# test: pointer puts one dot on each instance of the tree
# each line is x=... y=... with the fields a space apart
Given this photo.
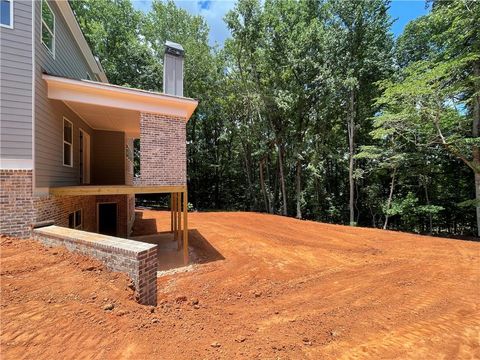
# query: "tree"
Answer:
x=435 y=100
x=112 y=29
x=287 y=120
x=362 y=45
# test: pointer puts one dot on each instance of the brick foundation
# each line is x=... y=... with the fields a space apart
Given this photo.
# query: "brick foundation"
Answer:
x=58 y=208
x=137 y=259
x=16 y=202
x=19 y=208
x=163 y=150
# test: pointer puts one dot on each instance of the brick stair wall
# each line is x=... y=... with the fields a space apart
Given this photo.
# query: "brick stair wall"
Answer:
x=135 y=258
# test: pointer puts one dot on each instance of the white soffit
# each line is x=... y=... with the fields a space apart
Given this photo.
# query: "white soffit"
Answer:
x=106 y=100
x=106 y=118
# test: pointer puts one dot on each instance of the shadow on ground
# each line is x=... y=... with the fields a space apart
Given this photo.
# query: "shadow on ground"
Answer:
x=170 y=257
x=143 y=226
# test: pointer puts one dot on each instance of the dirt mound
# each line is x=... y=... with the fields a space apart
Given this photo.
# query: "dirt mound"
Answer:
x=264 y=287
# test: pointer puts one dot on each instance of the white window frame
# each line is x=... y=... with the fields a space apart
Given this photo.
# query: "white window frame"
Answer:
x=78 y=226
x=75 y=225
x=11 y=17
x=86 y=164
x=51 y=52
x=66 y=142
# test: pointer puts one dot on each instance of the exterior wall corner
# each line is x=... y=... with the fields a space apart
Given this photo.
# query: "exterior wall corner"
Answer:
x=163 y=150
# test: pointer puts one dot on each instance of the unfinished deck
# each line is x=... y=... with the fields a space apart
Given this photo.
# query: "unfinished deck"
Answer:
x=116 y=190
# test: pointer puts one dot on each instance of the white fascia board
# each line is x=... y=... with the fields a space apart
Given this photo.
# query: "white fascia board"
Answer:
x=100 y=94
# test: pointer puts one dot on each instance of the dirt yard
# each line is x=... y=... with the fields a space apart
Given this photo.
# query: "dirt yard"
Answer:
x=264 y=287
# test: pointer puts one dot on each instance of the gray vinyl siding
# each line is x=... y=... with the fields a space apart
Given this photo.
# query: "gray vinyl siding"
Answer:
x=16 y=84
x=108 y=158
x=68 y=62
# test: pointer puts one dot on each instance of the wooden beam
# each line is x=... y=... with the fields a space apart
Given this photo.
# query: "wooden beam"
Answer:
x=185 y=228
x=115 y=190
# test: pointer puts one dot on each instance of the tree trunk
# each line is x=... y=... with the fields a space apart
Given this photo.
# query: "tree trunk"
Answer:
x=275 y=189
x=249 y=180
x=430 y=222
x=262 y=185
x=477 y=197
x=298 y=178
x=475 y=133
x=390 y=196
x=282 y=180
x=271 y=200
x=351 y=148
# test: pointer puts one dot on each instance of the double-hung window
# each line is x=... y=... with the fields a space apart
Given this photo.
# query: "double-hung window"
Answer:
x=48 y=27
x=67 y=143
x=6 y=13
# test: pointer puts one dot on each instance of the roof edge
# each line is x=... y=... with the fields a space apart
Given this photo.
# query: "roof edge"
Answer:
x=77 y=33
x=140 y=96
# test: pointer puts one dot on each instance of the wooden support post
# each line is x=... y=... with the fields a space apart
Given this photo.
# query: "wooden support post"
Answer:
x=179 y=219
x=171 y=212
x=185 y=228
x=174 y=216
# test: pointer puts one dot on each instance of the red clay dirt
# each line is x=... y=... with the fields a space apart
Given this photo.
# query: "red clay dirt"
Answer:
x=267 y=287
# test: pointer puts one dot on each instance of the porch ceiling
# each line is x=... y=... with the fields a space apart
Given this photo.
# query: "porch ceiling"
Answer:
x=108 y=118
x=116 y=108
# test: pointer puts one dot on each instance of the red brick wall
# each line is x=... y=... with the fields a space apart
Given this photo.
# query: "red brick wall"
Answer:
x=163 y=152
x=57 y=209
x=130 y=213
x=138 y=260
x=19 y=209
x=16 y=202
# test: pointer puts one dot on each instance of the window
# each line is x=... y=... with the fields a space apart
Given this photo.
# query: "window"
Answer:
x=67 y=143
x=48 y=27
x=6 y=13
x=75 y=220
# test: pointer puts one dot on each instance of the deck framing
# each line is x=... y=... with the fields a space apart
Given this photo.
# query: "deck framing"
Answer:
x=115 y=190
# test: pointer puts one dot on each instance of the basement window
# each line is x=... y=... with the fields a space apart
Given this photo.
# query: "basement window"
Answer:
x=75 y=220
x=48 y=27
x=6 y=13
x=67 y=143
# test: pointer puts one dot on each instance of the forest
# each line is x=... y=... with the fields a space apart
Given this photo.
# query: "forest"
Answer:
x=312 y=109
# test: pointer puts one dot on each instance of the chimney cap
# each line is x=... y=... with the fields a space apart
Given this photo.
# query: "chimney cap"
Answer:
x=174 y=48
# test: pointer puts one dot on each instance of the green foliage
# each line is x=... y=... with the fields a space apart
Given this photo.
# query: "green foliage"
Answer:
x=278 y=101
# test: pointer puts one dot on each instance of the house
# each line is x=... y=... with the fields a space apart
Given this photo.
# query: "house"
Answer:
x=66 y=151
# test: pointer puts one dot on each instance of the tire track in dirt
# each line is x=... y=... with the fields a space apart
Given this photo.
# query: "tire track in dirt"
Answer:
x=416 y=340
x=41 y=325
x=285 y=289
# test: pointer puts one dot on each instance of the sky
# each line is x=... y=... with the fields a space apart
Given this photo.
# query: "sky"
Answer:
x=214 y=10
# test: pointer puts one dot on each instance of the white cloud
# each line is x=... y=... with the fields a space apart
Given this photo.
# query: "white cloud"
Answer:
x=213 y=11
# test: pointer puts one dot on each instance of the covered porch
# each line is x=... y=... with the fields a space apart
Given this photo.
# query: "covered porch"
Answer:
x=158 y=120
